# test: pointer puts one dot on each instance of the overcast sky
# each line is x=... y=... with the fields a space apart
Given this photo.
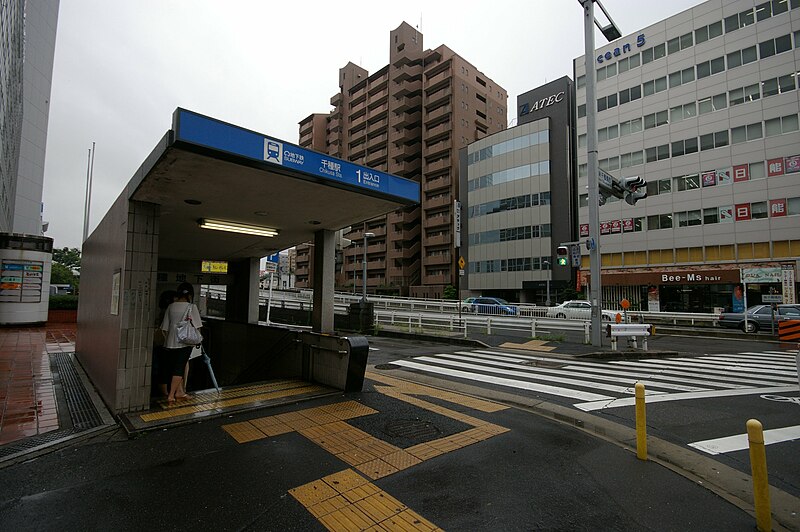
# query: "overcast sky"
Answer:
x=121 y=69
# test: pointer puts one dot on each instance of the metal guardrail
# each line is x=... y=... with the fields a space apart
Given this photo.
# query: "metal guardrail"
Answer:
x=528 y=316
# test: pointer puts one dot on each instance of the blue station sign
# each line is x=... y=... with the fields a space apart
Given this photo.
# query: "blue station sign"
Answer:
x=208 y=132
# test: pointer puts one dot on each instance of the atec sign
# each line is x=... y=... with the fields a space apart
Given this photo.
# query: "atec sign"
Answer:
x=538 y=105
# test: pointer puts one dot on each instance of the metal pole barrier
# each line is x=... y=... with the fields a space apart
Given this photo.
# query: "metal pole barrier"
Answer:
x=641 y=423
x=758 y=466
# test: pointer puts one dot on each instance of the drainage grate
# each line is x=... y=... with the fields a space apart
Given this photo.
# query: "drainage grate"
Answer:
x=412 y=429
x=81 y=409
x=82 y=412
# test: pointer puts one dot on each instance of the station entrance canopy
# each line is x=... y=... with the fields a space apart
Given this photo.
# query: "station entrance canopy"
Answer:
x=203 y=171
x=207 y=169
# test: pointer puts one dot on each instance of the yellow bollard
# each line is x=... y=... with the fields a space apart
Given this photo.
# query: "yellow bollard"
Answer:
x=641 y=423
x=758 y=466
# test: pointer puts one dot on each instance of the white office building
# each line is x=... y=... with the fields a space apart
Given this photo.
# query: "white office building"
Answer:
x=704 y=106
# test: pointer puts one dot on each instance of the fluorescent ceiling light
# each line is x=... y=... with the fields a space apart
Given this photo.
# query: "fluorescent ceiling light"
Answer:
x=234 y=227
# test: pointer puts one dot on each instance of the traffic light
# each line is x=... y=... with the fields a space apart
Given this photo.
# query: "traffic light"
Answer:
x=562 y=256
x=635 y=189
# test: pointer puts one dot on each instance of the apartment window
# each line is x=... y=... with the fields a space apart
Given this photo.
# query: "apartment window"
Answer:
x=712 y=103
x=709 y=68
x=759 y=210
x=661 y=186
x=742 y=57
x=684 y=147
x=629 y=95
x=757 y=170
x=612 y=163
x=631 y=159
x=656 y=119
x=582 y=170
x=677 y=79
x=580 y=82
x=744 y=133
x=651 y=54
x=688 y=218
x=657 y=153
x=659 y=221
x=747 y=94
x=679 y=43
x=582 y=141
x=682 y=112
x=739 y=20
x=775 y=46
x=708 y=32
x=654 y=86
x=793 y=204
x=711 y=215
x=607 y=133
x=686 y=182
x=582 y=110
x=778 y=126
x=607 y=72
x=606 y=102
x=770 y=9
x=630 y=127
x=714 y=140
x=771 y=87
x=629 y=63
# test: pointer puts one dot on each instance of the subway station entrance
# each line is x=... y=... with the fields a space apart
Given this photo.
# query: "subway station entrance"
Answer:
x=197 y=200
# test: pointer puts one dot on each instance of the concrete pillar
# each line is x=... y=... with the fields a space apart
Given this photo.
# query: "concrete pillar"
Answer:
x=242 y=297
x=323 y=283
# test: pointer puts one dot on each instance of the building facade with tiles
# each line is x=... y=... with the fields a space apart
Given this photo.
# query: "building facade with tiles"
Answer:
x=520 y=201
x=704 y=106
x=409 y=118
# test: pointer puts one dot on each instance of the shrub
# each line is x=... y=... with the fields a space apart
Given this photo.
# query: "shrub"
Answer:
x=63 y=302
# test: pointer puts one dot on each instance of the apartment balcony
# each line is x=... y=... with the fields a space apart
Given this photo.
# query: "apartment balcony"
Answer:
x=405 y=119
x=438 y=201
x=334 y=124
x=306 y=139
x=301 y=270
x=376 y=248
x=437 y=148
x=432 y=133
x=357 y=153
x=376 y=157
x=439 y=112
x=439 y=240
x=358 y=108
x=438 y=220
x=436 y=279
x=407 y=168
x=405 y=234
x=441 y=164
x=358 y=122
x=437 y=260
x=377 y=126
x=377 y=141
x=409 y=135
x=405 y=103
x=437 y=78
x=378 y=108
x=336 y=99
x=437 y=184
x=395 y=272
x=435 y=98
x=404 y=151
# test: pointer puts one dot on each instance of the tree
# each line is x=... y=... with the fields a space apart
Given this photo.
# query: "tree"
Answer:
x=450 y=292
x=69 y=257
x=60 y=274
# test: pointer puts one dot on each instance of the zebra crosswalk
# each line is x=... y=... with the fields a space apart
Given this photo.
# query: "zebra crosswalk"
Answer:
x=594 y=385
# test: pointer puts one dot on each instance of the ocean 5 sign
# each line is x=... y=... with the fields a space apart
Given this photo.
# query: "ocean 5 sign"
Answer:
x=616 y=52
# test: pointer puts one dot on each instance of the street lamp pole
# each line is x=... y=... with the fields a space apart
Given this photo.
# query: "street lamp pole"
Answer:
x=364 y=268
x=595 y=289
x=549 y=274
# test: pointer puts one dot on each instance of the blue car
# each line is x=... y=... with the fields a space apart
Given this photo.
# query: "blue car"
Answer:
x=494 y=306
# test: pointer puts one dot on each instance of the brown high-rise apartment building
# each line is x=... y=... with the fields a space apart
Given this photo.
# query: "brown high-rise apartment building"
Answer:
x=409 y=118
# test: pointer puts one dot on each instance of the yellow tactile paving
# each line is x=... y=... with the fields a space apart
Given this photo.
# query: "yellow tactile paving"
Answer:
x=533 y=345
x=345 y=480
x=243 y=432
x=328 y=506
x=213 y=405
x=271 y=427
x=381 y=506
x=451 y=397
x=313 y=493
x=401 y=459
x=376 y=469
x=361 y=492
x=408 y=520
x=423 y=451
x=346 y=519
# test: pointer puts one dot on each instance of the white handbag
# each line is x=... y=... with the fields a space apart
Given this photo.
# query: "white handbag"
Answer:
x=187 y=333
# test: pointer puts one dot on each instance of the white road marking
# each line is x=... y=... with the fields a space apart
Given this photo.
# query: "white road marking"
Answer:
x=553 y=390
x=739 y=441
x=628 y=401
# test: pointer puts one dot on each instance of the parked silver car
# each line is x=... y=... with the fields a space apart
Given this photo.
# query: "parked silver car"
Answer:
x=759 y=317
x=578 y=309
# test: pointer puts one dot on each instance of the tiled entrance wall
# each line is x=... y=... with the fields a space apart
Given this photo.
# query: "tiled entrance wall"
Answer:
x=138 y=308
x=115 y=327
